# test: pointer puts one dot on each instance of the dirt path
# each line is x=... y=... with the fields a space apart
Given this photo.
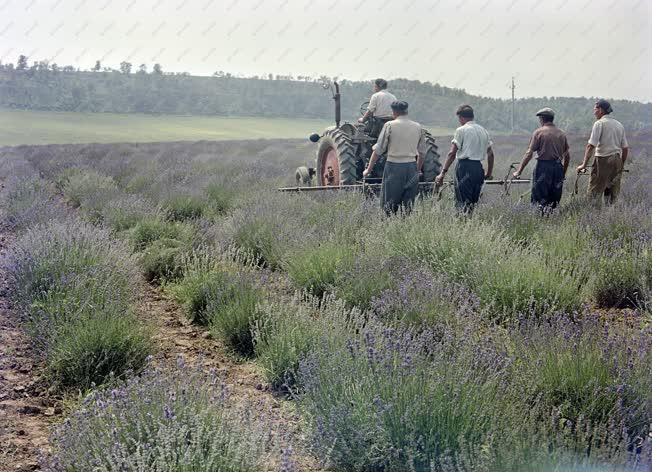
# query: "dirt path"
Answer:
x=26 y=409
x=174 y=335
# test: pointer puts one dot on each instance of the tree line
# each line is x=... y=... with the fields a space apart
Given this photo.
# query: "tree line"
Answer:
x=48 y=86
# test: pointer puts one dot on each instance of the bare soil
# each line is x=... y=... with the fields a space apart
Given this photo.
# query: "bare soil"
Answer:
x=27 y=410
x=175 y=335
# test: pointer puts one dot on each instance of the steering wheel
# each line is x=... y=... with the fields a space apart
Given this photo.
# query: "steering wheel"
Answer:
x=363 y=108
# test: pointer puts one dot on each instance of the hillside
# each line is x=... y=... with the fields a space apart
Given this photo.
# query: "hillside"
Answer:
x=45 y=87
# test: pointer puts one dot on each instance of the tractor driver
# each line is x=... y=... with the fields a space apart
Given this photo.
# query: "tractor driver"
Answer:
x=379 y=109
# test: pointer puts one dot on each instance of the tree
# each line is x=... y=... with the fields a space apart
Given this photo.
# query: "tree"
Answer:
x=22 y=62
x=97 y=66
x=125 y=67
x=142 y=69
x=158 y=70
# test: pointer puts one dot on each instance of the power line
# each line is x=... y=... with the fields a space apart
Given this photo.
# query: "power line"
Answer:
x=513 y=87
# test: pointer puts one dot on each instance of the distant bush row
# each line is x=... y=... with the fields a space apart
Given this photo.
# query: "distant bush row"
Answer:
x=511 y=267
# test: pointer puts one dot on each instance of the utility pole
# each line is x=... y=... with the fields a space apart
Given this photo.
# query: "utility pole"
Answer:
x=513 y=103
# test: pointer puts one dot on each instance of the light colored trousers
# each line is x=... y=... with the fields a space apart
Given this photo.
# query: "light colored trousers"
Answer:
x=605 y=177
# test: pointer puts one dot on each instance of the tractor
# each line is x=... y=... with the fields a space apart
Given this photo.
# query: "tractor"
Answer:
x=344 y=150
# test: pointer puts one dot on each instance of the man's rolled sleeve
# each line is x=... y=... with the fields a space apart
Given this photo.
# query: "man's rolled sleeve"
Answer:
x=596 y=131
x=383 y=140
x=458 y=138
x=623 y=142
x=373 y=104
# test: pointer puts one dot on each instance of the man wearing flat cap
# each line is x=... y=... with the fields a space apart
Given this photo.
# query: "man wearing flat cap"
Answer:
x=403 y=142
x=609 y=145
x=551 y=145
x=470 y=146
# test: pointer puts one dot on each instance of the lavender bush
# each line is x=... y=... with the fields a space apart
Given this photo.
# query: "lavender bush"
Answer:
x=47 y=257
x=520 y=221
x=398 y=400
x=232 y=311
x=125 y=211
x=183 y=207
x=162 y=420
x=148 y=230
x=587 y=370
x=286 y=332
x=256 y=227
x=220 y=197
x=162 y=260
x=467 y=398
x=360 y=280
x=28 y=203
x=90 y=191
x=421 y=297
x=619 y=273
x=76 y=288
x=194 y=290
x=315 y=270
x=226 y=301
x=507 y=279
x=549 y=443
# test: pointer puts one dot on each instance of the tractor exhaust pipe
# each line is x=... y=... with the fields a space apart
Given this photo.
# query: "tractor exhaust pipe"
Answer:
x=336 y=97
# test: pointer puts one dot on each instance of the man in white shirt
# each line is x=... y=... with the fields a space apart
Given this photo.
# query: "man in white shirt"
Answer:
x=609 y=145
x=403 y=142
x=379 y=109
x=471 y=145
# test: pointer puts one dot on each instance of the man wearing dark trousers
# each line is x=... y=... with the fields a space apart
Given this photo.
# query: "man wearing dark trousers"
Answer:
x=402 y=141
x=470 y=146
x=551 y=146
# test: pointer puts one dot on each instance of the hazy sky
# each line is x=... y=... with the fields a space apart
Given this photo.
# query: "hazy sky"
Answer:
x=554 y=48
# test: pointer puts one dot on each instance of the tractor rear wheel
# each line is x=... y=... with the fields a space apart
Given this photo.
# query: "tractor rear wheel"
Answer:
x=431 y=164
x=336 y=159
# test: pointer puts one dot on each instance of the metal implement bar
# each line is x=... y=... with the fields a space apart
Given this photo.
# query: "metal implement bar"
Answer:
x=422 y=186
x=576 y=189
x=509 y=177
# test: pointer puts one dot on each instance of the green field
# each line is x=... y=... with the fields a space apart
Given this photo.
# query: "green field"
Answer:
x=46 y=127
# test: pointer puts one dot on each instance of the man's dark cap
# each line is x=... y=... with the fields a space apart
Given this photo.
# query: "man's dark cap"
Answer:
x=400 y=106
x=546 y=112
x=605 y=105
x=465 y=111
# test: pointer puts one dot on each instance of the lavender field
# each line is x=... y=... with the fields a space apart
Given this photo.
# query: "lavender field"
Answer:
x=501 y=342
